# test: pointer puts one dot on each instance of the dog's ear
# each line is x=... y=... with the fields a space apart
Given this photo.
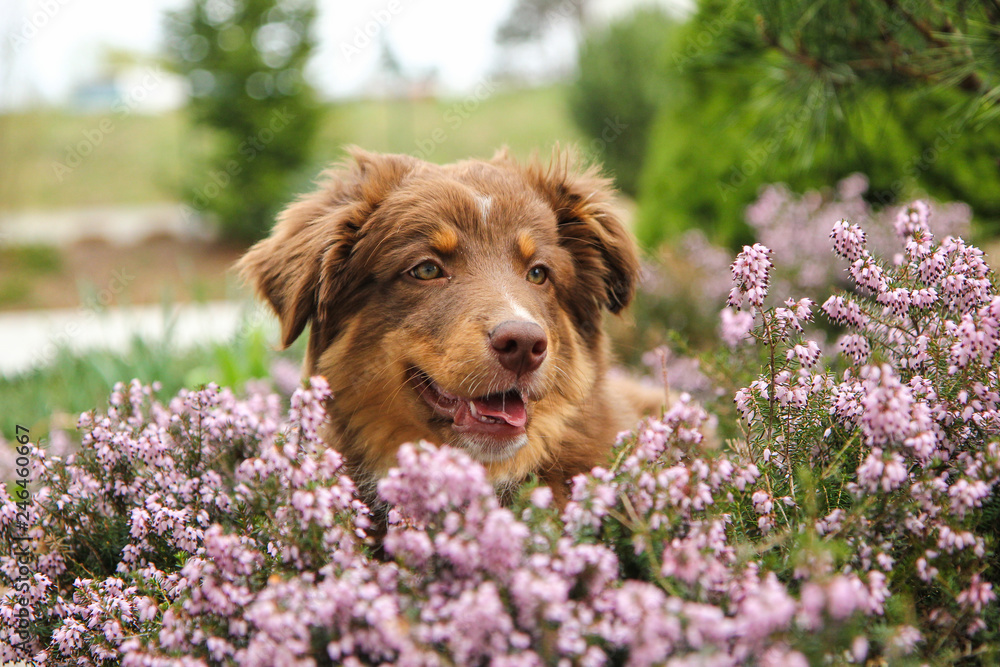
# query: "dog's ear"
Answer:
x=604 y=251
x=302 y=269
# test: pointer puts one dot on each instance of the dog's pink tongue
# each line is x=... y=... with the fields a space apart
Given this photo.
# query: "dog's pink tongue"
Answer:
x=508 y=407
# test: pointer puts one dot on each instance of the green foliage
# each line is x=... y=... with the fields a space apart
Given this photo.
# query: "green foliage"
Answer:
x=19 y=265
x=622 y=80
x=748 y=93
x=890 y=45
x=244 y=64
x=52 y=396
x=907 y=142
x=34 y=259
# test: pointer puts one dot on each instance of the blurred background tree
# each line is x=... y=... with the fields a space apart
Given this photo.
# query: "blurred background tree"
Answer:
x=624 y=77
x=243 y=61
x=530 y=19
x=748 y=93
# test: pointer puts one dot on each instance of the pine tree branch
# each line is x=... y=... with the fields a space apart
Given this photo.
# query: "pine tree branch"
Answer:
x=896 y=58
x=971 y=82
x=799 y=56
x=920 y=26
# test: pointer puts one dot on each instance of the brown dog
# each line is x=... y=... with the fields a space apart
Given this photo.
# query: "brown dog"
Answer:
x=458 y=304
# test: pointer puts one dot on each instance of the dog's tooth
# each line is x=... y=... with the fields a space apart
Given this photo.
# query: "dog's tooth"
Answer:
x=472 y=409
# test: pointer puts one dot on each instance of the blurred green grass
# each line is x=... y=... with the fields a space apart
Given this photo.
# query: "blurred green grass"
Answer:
x=445 y=130
x=19 y=265
x=145 y=158
x=138 y=161
x=53 y=396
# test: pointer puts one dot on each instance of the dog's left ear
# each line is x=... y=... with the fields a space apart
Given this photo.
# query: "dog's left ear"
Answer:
x=302 y=269
x=285 y=267
x=605 y=253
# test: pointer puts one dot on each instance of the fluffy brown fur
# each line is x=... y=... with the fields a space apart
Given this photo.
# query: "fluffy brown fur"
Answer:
x=406 y=271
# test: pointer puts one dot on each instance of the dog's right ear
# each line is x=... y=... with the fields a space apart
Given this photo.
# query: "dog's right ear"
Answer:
x=301 y=269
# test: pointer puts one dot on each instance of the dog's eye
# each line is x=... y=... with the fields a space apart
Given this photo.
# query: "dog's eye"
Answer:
x=537 y=275
x=426 y=271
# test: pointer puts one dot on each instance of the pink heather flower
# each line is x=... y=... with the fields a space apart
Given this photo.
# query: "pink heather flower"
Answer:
x=975 y=625
x=896 y=300
x=762 y=502
x=541 y=497
x=924 y=297
x=882 y=470
x=913 y=219
x=877 y=591
x=926 y=571
x=848 y=240
x=831 y=523
x=951 y=541
x=807 y=354
x=968 y=494
x=745 y=404
x=887 y=406
x=736 y=327
x=932 y=266
x=430 y=480
x=139 y=523
x=801 y=309
x=855 y=347
x=867 y=273
x=967 y=284
x=781 y=656
x=743 y=477
x=68 y=637
x=845 y=595
x=766 y=609
x=916 y=354
x=812 y=602
x=974 y=341
x=920 y=245
x=978 y=595
x=791 y=318
x=859 y=648
x=845 y=311
x=906 y=639
x=751 y=274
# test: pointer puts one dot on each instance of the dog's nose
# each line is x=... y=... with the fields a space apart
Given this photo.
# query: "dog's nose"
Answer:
x=519 y=345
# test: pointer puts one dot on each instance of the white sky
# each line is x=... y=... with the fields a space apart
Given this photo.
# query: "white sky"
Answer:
x=47 y=47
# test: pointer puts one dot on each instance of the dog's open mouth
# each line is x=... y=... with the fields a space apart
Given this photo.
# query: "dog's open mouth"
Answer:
x=501 y=415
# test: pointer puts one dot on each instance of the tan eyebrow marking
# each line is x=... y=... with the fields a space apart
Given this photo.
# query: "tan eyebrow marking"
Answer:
x=444 y=240
x=526 y=245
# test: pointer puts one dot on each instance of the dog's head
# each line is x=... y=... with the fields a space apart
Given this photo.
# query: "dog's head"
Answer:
x=460 y=304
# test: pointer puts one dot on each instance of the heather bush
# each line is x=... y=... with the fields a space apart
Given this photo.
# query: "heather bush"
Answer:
x=853 y=519
x=689 y=279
